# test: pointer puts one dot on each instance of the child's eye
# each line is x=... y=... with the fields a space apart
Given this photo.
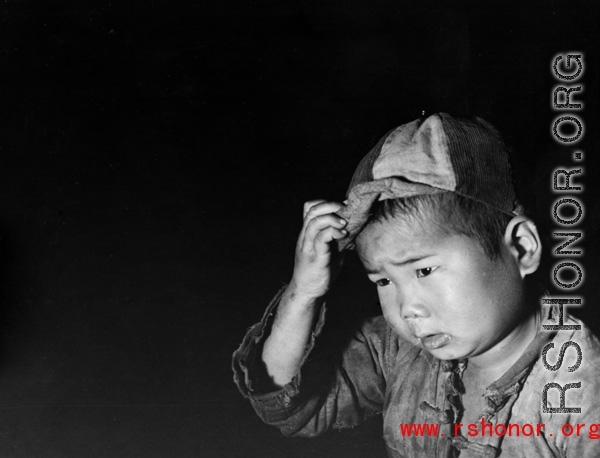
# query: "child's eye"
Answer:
x=425 y=272
x=382 y=282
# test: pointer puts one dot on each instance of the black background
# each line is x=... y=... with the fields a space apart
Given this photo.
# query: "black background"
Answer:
x=154 y=158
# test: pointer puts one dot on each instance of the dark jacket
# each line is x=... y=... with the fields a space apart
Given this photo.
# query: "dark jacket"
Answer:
x=382 y=373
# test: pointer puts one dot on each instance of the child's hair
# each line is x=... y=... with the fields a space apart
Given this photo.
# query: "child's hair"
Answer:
x=452 y=214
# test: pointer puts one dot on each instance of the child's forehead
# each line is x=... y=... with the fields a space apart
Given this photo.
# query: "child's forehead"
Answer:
x=410 y=231
x=404 y=235
x=422 y=219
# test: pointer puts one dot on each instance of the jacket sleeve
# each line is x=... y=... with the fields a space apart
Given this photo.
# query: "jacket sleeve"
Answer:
x=322 y=395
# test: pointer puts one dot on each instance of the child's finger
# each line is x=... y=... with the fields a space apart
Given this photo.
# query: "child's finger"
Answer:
x=308 y=205
x=324 y=237
x=322 y=208
x=316 y=209
x=320 y=223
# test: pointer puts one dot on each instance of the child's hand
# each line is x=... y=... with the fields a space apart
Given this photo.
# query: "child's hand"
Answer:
x=317 y=259
x=317 y=262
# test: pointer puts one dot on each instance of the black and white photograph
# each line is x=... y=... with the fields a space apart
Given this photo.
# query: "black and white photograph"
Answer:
x=299 y=229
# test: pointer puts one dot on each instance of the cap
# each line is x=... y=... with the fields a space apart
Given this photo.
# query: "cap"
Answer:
x=429 y=155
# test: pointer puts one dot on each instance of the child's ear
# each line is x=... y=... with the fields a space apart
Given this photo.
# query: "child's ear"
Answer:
x=523 y=241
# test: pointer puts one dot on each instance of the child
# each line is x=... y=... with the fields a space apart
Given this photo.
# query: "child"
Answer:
x=432 y=214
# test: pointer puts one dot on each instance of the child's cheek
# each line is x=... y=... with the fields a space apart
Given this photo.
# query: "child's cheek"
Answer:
x=403 y=330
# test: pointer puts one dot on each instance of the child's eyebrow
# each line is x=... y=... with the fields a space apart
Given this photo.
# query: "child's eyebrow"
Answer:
x=410 y=260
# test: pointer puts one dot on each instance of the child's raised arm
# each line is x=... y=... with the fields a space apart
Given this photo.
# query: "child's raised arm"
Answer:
x=317 y=262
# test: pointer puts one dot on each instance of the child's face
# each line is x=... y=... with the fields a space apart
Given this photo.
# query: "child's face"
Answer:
x=442 y=292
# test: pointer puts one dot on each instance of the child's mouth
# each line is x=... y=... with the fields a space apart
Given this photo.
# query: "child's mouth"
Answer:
x=435 y=341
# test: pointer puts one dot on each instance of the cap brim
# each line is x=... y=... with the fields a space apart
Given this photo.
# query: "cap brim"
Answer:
x=362 y=197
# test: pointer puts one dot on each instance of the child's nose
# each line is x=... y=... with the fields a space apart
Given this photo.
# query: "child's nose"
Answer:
x=411 y=306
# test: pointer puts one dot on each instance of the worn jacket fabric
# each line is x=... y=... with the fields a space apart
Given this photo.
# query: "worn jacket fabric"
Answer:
x=379 y=372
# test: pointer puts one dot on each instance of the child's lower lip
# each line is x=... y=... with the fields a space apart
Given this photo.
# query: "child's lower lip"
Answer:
x=435 y=341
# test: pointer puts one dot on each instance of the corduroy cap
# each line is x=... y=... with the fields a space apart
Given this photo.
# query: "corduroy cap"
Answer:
x=429 y=155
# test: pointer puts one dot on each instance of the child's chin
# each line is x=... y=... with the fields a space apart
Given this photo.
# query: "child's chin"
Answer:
x=446 y=353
